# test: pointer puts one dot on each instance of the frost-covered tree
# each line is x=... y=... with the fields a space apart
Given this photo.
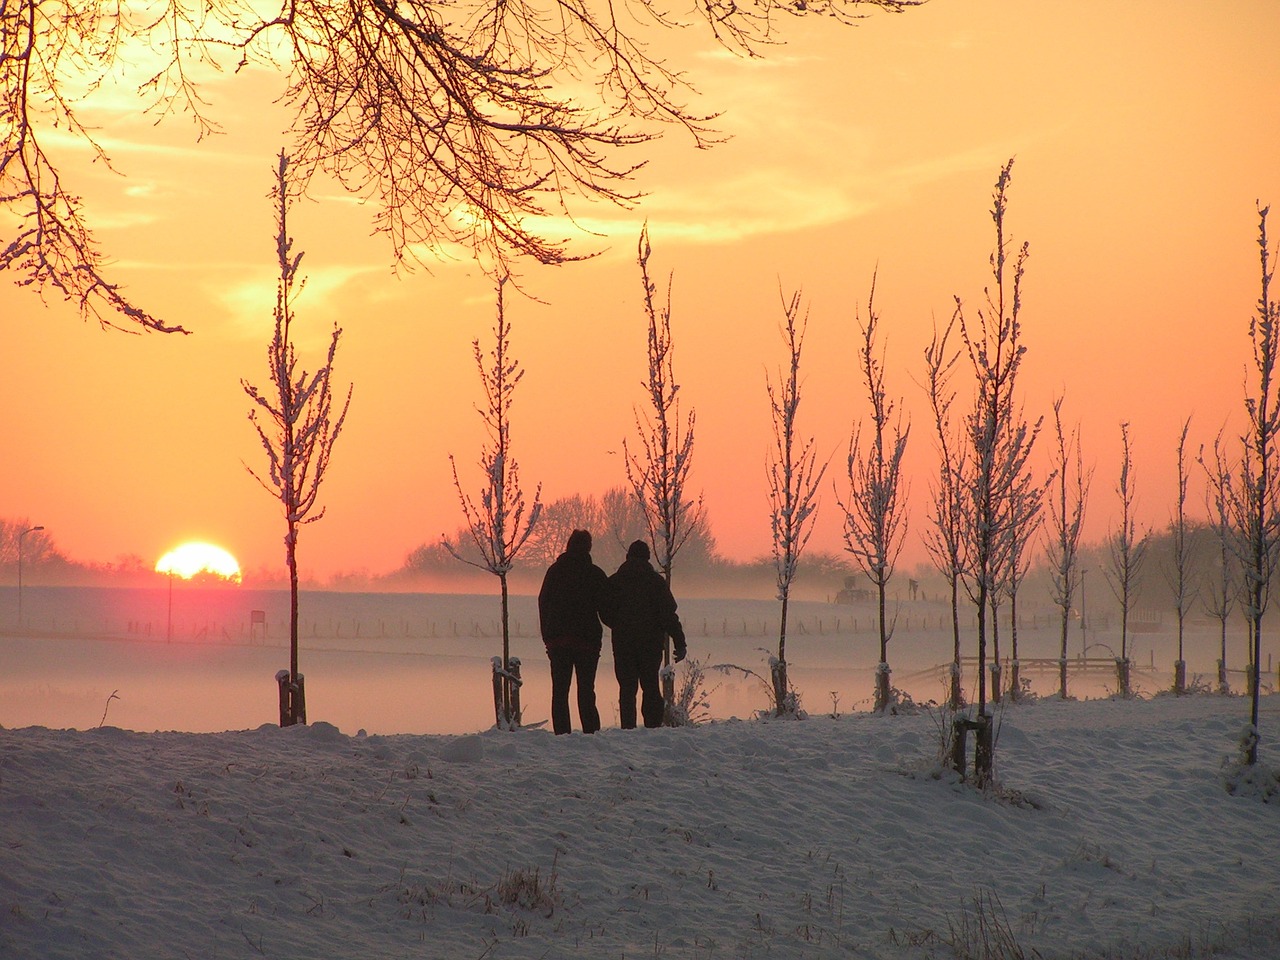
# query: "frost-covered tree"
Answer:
x=1069 y=494
x=945 y=538
x=1258 y=495
x=1127 y=550
x=1222 y=586
x=875 y=523
x=468 y=123
x=658 y=471
x=999 y=444
x=500 y=524
x=1178 y=570
x=297 y=424
x=794 y=477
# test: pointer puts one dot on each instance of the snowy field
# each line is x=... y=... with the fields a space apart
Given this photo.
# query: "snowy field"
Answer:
x=816 y=838
x=398 y=825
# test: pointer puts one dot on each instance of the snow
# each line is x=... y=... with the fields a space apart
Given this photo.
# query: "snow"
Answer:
x=1111 y=836
x=823 y=837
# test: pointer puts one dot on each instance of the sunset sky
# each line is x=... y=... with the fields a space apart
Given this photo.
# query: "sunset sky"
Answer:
x=1144 y=134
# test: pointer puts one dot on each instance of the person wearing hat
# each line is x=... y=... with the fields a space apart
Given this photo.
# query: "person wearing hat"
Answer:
x=641 y=613
x=569 y=602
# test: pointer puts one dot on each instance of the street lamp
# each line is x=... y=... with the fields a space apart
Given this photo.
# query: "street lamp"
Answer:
x=20 y=538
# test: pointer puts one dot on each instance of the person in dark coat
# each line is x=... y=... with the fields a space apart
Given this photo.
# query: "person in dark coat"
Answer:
x=642 y=613
x=573 y=590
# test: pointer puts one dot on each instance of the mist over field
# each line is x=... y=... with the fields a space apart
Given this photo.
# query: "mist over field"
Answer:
x=420 y=663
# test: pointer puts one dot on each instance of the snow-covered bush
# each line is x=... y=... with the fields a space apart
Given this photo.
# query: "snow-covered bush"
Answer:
x=1245 y=779
x=692 y=702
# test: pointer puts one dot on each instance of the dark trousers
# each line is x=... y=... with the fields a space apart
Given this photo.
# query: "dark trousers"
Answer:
x=637 y=665
x=565 y=662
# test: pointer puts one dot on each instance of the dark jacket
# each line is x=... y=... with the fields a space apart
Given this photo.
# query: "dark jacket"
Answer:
x=640 y=608
x=569 y=602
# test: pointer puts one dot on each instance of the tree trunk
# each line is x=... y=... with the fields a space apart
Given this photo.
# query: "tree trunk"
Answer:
x=779 y=668
x=882 y=687
x=981 y=607
x=507 y=713
x=1180 y=667
x=1122 y=678
x=1223 y=686
x=995 y=654
x=778 y=672
x=884 y=632
x=983 y=752
x=955 y=696
x=296 y=713
x=513 y=692
x=1015 y=682
x=1255 y=678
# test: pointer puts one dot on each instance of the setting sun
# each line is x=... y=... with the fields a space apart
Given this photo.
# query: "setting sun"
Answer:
x=192 y=559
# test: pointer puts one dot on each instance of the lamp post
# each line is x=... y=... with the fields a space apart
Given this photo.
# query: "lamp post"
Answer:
x=21 y=537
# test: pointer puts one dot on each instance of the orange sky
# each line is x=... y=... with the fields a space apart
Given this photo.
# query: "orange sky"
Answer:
x=1144 y=132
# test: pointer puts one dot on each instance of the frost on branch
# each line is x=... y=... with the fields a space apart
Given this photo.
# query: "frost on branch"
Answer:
x=500 y=524
x=794 y=475
x=295 y=419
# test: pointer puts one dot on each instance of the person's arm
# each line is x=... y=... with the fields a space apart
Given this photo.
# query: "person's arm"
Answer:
x=671 y=623
x=605 y=603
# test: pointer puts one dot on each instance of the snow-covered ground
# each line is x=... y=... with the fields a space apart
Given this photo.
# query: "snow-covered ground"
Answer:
x=835 y=836
x=825 y=837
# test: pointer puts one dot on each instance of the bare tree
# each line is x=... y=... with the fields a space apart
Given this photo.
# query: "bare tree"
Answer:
x=1258 y=499
x=1222 y=589
x=297 y=426
x=1127 y=550
x=874 y=522
x=1070 y=494
x=558 y=519
x=36 y=542
x=794 y=477
x=1000 y=443
x=1178 y=572
x=659 y=472
x=465 y=122
x=621 y=522
x=945 y=538
x=498 y=526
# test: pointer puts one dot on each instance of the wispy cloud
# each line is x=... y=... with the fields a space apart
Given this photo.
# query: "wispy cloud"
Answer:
x=250 y=300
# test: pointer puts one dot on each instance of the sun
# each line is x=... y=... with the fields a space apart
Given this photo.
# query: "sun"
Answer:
x=196 y=558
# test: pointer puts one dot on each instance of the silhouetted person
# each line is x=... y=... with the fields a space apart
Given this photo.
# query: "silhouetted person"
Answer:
x=568 y=610
x=642 y=613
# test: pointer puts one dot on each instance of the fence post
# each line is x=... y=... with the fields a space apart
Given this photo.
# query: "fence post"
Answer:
x=497 y=693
